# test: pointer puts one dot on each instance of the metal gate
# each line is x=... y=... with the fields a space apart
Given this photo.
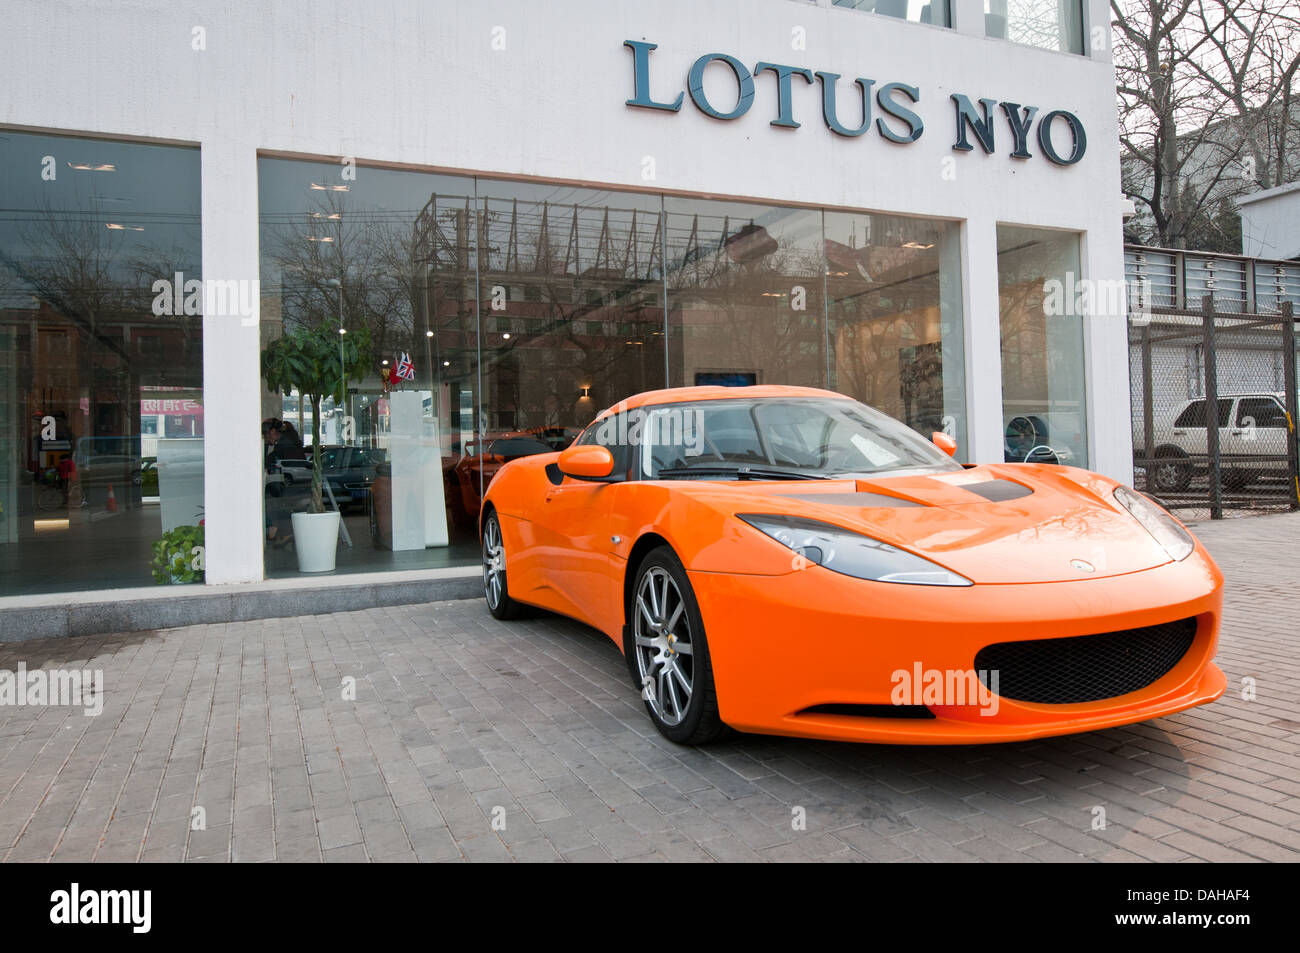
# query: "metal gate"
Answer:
x=1214 y=410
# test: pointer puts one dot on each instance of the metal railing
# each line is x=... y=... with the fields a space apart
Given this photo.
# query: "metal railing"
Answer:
x=1214 y=406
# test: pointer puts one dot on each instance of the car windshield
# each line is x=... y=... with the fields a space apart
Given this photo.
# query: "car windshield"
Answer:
x=799 y=436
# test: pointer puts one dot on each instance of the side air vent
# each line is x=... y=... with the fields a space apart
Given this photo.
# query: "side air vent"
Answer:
x=871 y=711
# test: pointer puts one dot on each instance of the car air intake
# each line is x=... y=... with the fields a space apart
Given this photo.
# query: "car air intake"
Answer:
x=1085 y=668
x=998 y=491
x=871 y=711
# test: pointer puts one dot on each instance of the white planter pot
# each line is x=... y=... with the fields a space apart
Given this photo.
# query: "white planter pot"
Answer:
x=316 y=539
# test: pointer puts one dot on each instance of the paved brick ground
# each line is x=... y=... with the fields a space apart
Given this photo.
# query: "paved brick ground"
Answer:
x=460 y=720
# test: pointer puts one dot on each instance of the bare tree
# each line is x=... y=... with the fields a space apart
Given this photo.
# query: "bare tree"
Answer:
x=1207 y=111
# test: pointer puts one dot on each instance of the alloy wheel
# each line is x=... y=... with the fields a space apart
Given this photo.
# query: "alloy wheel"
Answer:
x=494 y=563
x=664 y=651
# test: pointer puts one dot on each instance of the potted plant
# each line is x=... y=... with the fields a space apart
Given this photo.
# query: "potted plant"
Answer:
x=178 y=556
x=317 y=362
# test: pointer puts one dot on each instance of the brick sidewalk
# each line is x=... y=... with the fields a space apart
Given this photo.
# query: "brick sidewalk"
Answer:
x=460 y=721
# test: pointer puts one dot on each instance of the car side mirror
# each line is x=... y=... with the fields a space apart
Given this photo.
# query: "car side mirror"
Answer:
x=944 y=442
x=586 y=462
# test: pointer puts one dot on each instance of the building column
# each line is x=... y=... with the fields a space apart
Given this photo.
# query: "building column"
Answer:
x=968 y=17
x=1106 y=361
x=983 y=341
x=232 y=388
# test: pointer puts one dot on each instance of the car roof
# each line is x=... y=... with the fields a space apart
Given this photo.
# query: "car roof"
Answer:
x=1244 y=393
x=677 y=395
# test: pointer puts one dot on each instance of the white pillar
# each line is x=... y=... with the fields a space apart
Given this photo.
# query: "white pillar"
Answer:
x=983 y=341
x=231 y=360
x=1105 y=347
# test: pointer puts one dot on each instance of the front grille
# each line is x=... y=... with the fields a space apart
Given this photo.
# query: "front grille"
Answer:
x=1085 y=668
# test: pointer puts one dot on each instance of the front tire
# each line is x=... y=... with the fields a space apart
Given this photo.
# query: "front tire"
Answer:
x=1172 y=471
x=495 y=589
x=668 y=655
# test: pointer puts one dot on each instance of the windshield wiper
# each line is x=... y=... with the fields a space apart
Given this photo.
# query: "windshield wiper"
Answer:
x=744 y=472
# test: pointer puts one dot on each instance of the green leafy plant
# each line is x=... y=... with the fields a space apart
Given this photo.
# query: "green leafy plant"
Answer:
x=178 y=556
x=317 y=362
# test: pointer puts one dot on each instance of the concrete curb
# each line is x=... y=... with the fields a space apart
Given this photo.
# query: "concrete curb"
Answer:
x=61 y=615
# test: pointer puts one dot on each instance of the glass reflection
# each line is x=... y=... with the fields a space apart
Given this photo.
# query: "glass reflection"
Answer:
x=385 y=255
x=101 y=364
x=745 y=294
x=918 y=11
x=1042 y=353
x=1050 y=24
x=895 y=318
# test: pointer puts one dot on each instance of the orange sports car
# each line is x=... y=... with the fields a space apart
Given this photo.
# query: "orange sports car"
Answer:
x=787 y=561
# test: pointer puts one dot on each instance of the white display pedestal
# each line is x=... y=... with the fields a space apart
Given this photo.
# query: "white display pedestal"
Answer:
x=419 y=511
x=180 y=481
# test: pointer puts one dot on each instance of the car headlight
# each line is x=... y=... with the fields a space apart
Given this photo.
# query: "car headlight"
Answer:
x=852 y=554
x=1166 y=530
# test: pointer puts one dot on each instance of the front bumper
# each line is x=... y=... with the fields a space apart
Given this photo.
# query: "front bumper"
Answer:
x=781 y=645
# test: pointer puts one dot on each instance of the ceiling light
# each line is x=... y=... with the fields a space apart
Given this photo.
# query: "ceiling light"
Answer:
x=919 y=245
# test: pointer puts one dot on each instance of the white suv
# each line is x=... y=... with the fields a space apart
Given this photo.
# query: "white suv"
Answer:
x=1252 y=441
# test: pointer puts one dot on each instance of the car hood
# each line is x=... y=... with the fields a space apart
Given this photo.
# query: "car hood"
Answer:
x=1006 y=523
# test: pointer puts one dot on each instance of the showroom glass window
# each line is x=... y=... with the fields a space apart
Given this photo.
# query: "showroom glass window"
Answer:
x=918 y=11
x=101 y=363
x=745 y=294
x=573 y=316
x=1050 y=24
x=893 y=287
x=1043 y=409
x=389 y=255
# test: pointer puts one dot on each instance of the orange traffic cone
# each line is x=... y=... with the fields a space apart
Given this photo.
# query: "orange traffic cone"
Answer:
x=111 y=505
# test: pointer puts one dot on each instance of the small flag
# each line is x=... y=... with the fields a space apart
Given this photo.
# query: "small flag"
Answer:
x=405 y=369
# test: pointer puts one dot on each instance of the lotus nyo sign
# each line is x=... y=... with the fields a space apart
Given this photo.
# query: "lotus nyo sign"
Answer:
x=900 y=123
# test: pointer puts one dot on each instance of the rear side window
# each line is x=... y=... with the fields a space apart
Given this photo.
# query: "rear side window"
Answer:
x=1194 y=415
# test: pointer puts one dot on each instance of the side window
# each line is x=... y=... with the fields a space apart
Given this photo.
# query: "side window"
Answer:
x=1225 y=411
x=1260 y=412
x=612 y=432
x=1193 y=416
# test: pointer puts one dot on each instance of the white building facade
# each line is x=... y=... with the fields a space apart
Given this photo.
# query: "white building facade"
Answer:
x=541 y=209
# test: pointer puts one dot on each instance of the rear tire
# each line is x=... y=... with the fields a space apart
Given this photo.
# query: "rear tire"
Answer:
x=668 y=655
x=495 y=589
x=1238 y=480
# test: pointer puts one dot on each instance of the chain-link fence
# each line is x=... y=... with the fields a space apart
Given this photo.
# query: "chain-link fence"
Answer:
x=1213 y=403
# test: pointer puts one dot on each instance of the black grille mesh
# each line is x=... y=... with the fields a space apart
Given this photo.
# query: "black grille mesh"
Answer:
x=1085 y=668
